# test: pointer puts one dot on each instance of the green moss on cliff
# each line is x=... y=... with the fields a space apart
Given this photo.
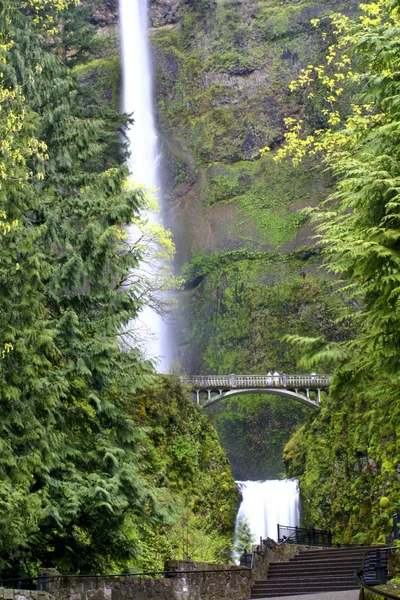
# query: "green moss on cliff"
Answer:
x=101 y=79
x=348 y=460
x=215 y=77
x=242 y=309
x=254 y=429
x=184 y=459
x=222 y=91
x=269 y=195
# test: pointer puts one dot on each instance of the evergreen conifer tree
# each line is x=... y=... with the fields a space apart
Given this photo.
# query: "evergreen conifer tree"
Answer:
x=69 y=454
x=244 y=537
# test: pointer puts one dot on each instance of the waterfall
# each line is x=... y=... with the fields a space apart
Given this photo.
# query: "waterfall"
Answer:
x=266 y=504
x=137 y=99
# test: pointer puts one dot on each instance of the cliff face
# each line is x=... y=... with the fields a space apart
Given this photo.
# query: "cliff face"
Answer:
x=165 y=12
x=222 y=75
x=222 y=72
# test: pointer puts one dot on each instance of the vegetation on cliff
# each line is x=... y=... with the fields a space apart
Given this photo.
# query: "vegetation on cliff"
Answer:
x=82 y=479
x=222 y=77
x=240 y=311
x=245 y=248
x=184 y=458
x=253 y=430
x=348 y=458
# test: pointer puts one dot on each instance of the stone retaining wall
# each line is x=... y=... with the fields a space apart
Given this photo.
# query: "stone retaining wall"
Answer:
x=185 y=580
x=205 y=581
x=7 y=594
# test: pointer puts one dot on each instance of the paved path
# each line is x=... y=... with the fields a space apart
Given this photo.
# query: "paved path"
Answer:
x=346 y=595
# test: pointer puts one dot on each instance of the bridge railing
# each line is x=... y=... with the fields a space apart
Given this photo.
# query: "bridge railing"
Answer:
x=309 y=381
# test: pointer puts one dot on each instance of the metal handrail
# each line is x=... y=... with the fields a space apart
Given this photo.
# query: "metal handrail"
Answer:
x=363 y=585
x=244 y=561
x=396 y=526
x=304 y=537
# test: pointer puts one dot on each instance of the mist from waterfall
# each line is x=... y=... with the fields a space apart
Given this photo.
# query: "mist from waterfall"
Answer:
x=137 y=99
x=266 y=504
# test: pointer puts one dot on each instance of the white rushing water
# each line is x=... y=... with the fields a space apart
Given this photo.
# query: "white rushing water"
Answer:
x=142 y=137
x=269 y=503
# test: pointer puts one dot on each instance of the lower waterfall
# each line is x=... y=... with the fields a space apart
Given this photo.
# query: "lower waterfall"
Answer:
x=266 y=504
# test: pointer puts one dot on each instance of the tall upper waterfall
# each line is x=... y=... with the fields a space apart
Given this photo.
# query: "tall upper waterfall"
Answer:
x=142 y=136
x=269 y=503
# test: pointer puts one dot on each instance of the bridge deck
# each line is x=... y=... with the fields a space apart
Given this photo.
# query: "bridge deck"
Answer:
x=292 y=386
x=219 y=382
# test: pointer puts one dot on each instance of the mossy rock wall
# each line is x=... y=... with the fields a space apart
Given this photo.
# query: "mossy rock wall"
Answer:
x=222 y=73
x=253 y=429
x=348 y=460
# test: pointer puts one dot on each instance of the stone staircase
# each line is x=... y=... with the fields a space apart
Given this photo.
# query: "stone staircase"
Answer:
x=312 y=572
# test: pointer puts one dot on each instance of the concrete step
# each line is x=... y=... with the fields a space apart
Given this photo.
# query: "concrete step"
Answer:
x=333 y=553
x=294 y=566
x=297 y=568
x=296 y=592
x=307 y=585
x=276 y=590
x=340 y=595
x=314 y=573
x=291 y=571
x=334 y=560
x=310 y=577
x=303 y=581
x=339 y=550
x=319 y=566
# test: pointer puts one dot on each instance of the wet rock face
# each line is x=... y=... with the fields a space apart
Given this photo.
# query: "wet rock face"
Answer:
x=222 y=74
x=106 y=14
x=165 y=12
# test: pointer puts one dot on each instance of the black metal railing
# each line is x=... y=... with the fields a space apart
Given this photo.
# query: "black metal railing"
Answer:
x=396 y=526
x=374 y=571
x=304 y=537
x=246 y=560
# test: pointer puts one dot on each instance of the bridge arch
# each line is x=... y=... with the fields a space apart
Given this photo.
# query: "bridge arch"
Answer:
x=277 y=392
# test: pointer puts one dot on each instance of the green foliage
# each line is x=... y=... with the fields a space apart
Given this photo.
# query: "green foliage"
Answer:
x=235 y=62
x=348 y=457
x=70 y=454
x=348 y=460
x=243 y=305
x=200 y=4
x=221 y=118
x=242 y=310
x=244 y=537
x=86 y=476
x=253 y=430
x=201 y=264
x=184 y=458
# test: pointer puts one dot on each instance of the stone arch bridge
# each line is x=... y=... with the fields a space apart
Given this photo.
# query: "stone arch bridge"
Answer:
x=304 y=388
